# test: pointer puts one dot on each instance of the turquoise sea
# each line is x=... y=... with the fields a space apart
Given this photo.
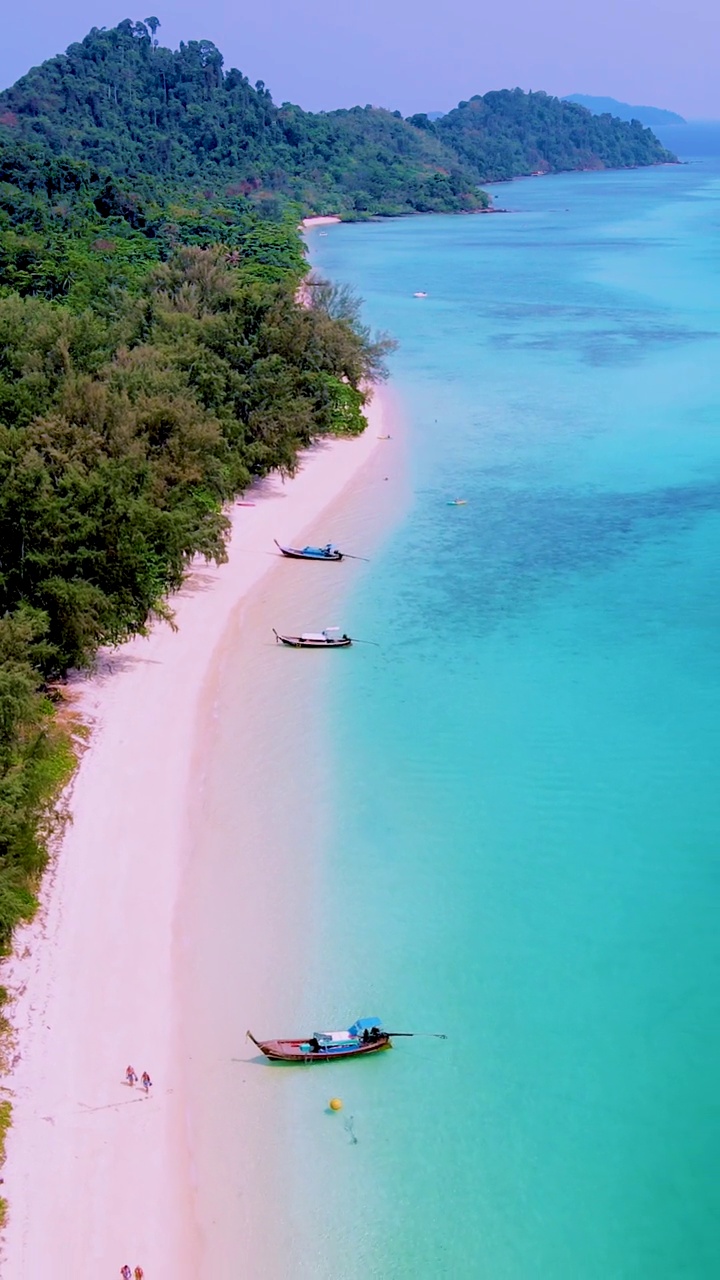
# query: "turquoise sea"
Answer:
x=524 y=847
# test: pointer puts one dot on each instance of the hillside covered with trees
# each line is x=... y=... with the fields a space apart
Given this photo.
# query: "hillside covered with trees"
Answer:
x=122 y=102
x=503 y=134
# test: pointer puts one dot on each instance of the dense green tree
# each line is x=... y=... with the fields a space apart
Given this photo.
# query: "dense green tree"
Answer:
x=34 y=759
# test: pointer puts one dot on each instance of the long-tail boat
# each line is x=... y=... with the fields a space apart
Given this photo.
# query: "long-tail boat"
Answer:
x=364 y=1036
x=330 y=638
x=328 y=552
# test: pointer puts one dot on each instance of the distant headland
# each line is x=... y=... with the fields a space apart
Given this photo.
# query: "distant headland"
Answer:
x=649 y=116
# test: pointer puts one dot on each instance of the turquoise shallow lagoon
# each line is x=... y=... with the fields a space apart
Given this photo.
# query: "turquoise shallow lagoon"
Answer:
x=524 y=848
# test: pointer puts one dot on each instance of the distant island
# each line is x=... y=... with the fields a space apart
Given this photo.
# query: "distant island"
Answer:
x=649 y=116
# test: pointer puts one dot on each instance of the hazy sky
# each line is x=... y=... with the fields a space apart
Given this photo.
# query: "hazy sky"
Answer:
x=414 y=55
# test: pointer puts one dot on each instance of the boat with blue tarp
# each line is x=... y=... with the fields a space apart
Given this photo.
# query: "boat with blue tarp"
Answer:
x=364 y=1036
x=328 y=552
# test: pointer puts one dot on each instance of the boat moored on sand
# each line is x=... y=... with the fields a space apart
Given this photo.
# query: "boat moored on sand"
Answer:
x=328 y=552
x=330 y=638
x=364 y=1036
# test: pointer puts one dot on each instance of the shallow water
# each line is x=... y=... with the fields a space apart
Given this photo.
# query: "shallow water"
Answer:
x=522 y=846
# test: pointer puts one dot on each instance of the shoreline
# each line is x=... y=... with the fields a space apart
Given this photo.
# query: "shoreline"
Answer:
x=259 y=828
x=97 y=1174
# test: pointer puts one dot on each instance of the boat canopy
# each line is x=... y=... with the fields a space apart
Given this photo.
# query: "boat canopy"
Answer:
x=363 y=1024
x=328 y=633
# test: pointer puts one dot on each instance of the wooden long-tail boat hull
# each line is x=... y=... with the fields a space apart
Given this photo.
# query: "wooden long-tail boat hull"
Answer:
x=308 y=553
x=301 y=1051
x=310 y=642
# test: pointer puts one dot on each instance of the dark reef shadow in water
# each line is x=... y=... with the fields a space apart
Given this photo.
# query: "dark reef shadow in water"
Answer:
x=512 y=546
x=604 y=346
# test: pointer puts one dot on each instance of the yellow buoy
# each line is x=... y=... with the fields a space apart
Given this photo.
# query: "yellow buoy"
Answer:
x=335 y=1104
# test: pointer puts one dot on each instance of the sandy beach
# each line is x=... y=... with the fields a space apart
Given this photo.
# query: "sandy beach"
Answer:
x=97 y=1173
x=321 y=220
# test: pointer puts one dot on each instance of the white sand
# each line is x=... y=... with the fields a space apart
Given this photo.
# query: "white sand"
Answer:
x=97 y=1174
x=321 y=221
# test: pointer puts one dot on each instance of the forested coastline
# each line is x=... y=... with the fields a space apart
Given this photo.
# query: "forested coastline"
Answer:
x=155 y=357
x=154 y=360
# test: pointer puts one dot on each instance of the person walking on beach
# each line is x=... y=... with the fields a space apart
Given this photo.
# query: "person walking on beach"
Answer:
x=139 y=1273
x=145 y=1081
x=131 y=1077
x=125 y=1272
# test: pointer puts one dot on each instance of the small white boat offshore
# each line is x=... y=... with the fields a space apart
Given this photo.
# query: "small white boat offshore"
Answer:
x=420 y=295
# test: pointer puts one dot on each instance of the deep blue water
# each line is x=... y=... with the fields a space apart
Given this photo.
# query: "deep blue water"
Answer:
x=525 y=843
x=697 y=140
